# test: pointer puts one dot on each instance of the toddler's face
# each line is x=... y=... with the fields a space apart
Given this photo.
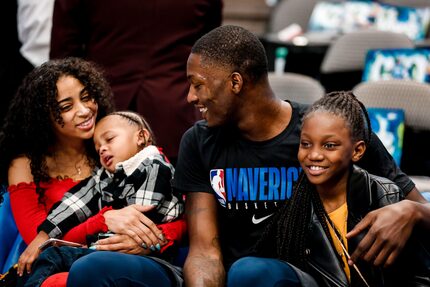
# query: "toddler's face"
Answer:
x=116 y=140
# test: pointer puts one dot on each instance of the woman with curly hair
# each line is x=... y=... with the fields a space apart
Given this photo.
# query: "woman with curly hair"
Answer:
x=46 y=140
x=48 y=125
x=46 y=148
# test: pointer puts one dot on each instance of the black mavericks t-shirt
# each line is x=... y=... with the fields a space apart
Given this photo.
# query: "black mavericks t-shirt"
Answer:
x=251 y=180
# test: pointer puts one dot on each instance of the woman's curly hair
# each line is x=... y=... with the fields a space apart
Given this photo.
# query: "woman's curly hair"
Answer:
x=28 y=128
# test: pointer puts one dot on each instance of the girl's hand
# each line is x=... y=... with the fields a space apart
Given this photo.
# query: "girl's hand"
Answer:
x=131 y=221
x=125 y=244
x=31 y=253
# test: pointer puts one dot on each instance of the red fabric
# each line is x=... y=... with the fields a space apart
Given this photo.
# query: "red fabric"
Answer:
x=92 y=225
x=173 y=231
x=27 y=211
x=56 y=280
x=25 y=205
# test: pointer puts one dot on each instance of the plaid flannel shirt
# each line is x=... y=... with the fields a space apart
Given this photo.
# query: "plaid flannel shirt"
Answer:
x=144 y=179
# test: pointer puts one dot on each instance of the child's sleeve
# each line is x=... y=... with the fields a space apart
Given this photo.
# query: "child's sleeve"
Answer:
x=77 y=205
x=170 y=205
x=153 y=187
x=173 y=231
x=94 y=224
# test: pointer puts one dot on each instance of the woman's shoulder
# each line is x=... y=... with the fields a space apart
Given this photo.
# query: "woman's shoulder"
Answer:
x=19 y=171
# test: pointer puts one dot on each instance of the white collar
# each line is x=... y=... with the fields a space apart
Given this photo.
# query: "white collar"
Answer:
x=131 y=164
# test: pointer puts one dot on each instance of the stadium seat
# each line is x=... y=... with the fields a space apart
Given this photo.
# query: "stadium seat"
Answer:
x=296 y=87
x=414 y=98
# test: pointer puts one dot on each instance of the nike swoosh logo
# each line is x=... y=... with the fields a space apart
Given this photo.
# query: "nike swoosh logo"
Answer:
x=259 y=220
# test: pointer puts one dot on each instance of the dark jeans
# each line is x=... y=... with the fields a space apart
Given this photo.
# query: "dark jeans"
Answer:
x=54 y=260
x=261 y=272
x=104 y=268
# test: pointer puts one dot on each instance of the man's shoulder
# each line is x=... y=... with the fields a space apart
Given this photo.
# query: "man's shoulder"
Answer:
x=298 y=111
x=299 y=107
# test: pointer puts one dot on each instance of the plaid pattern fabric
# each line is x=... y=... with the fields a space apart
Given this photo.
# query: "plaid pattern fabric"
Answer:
x=144 y=179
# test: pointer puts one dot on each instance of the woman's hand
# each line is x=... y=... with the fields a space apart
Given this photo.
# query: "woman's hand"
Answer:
x=31 y=253
x=131 y=221
x=125 y=244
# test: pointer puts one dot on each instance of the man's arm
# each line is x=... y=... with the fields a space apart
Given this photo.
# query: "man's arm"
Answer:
x=203 y=266
x=389 y=228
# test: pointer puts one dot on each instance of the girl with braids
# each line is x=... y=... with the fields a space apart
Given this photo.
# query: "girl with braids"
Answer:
x=134 y=171
x=331 y=197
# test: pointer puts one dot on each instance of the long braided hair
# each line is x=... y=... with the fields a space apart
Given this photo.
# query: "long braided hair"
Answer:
x=288 y=228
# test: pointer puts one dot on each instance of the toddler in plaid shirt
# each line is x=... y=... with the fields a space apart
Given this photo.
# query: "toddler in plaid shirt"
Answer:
x=134 y=171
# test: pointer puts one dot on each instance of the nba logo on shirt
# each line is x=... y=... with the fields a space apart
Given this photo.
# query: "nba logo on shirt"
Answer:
x=217 y=182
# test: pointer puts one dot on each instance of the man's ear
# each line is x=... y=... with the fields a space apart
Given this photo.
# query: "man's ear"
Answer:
x=236 y=82
x=359 y=150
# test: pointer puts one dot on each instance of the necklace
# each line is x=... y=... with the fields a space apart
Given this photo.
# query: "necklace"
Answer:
x=65 y=169
x=78 y=169
x=345 y=252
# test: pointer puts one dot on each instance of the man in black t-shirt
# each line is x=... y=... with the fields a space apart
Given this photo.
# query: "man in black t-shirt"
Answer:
x=240 y=164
